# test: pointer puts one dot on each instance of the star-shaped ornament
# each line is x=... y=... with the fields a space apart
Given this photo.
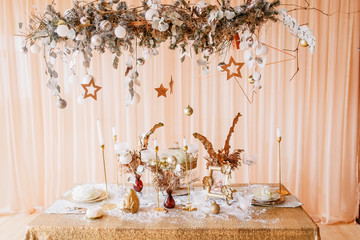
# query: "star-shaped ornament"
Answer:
x=230 y=70
x=91 y=89
x=161 y=91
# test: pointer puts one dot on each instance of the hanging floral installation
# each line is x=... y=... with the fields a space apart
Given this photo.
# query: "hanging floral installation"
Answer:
x=201 y=28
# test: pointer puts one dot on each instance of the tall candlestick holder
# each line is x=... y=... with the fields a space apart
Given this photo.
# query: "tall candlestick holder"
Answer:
x=106 y=206
x=158 y=208
x=188 y=205
x=116 y=164
x=282 y=192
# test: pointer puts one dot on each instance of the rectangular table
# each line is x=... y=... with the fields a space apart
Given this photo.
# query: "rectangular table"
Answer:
x=275 y=223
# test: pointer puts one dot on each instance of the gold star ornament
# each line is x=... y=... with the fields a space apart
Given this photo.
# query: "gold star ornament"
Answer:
x=229 y=68
x=161 y=91
x=91 y=89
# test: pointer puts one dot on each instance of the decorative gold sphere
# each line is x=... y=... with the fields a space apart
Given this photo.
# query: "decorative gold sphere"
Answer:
x=61 y=103
x=303 y=43
x=188 y=111
x=214 y=208
x=251 y=79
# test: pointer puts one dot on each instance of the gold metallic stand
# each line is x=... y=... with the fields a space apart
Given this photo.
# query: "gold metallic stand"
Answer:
x=116 y=163
x=282 y=192
x=188 y=205
x=158 y=208
x=106 y=206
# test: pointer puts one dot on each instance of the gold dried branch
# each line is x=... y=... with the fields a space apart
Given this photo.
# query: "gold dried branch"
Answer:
x=207 y=145
x=147 y=136
x=234 y=159
x=227 y=142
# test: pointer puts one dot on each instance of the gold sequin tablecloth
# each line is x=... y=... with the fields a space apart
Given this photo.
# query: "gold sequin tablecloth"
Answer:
x=291 y=223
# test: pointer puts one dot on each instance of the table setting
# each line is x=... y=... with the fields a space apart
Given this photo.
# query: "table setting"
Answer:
x=217 y=203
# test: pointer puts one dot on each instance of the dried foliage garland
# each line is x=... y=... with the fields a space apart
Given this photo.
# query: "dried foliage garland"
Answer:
x=222 y=156
x=118 y=28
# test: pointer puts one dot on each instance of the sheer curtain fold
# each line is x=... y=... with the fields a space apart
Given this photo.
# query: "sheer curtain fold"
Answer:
x=45 y=150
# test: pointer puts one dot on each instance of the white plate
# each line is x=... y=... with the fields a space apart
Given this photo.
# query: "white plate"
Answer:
x=96 y=195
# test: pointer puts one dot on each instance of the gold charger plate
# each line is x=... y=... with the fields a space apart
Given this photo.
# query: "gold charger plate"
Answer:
x=268 y=203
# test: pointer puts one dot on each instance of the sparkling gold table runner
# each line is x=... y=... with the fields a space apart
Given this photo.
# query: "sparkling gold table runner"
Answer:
x=275 y=223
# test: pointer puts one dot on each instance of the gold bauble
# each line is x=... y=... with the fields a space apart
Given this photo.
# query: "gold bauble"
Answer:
x=214 y=208
x=251 y=79
x=188 y=111
x=303 y=43
x=60 y=22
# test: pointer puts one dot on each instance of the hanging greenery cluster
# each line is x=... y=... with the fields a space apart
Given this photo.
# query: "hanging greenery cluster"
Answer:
x=113 y=25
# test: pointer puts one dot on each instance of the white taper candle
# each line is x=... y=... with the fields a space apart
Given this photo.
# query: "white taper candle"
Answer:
x=114 y=131
x=155 y=143
x=184 y=142
x=101 y=139
x=278 y=133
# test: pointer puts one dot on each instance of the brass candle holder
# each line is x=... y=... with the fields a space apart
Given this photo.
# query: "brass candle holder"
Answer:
x=116 y=164
x=158 y=208
x=282 y=192
x=188 y=205
x=106 y=206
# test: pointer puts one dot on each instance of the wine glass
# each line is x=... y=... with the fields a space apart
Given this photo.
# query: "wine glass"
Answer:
x=250 y=159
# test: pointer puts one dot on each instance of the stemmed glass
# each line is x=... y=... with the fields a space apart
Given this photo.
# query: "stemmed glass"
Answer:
x=250 y=159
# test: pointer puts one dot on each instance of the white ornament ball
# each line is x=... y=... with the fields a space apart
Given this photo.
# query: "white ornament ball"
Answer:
x=62 y=30
x=150 y=14
x=202 y=4
x=105 y=25
x=73 y=79
x=35 y=48
x=81 y=99
x=61 y=103
x=120 y=32
x=94 y=212
x=24 y=50
x=96 y=40
x=86 y=79
x=84 y=20
x=172 y=160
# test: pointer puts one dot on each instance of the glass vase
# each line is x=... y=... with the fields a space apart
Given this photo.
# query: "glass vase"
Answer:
x=169 y=200
x=138 y=186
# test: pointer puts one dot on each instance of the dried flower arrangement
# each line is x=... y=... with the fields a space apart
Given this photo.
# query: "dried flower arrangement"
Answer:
x=113 y=25
x=222 y=157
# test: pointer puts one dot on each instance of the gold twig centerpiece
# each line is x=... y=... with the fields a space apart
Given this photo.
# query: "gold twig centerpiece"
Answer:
x=222 y=161
x=188 y=205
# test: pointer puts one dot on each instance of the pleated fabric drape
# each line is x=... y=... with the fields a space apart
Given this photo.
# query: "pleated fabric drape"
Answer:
x=45 y=150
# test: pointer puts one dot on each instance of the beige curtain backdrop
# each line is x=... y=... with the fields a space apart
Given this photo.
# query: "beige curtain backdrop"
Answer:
x=45 y=150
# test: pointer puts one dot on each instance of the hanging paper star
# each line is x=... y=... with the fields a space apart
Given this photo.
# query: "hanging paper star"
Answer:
x=171 y=84
x=230 y=73
x=91 y=89
x=161 y=91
